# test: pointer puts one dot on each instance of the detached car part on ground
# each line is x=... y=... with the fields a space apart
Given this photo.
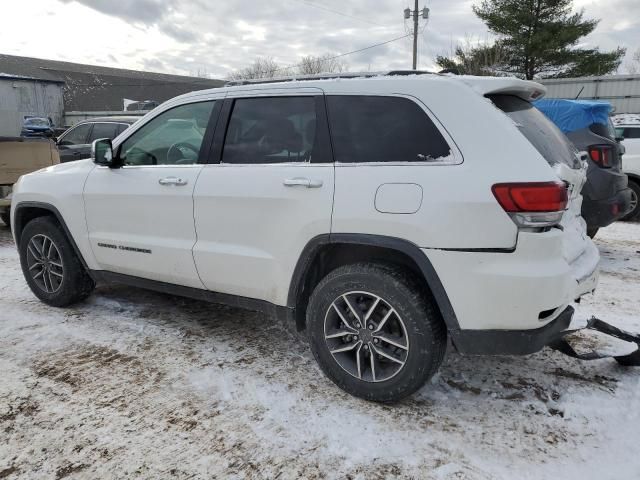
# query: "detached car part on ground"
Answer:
x=365 y=211
x=19 y=156
x=586 y=123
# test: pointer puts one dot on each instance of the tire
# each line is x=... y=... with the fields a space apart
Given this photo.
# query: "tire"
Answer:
x=415 y=325
x=634 y=215
x=63 y=280
x=592 y=231
x=6 y=219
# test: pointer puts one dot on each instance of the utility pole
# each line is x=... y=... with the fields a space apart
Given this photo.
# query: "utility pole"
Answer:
x=415 y=13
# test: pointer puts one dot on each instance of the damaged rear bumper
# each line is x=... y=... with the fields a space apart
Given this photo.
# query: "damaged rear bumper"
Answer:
x=512 y=342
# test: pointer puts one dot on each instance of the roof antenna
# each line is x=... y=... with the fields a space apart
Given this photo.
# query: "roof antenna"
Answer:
x=579 y=93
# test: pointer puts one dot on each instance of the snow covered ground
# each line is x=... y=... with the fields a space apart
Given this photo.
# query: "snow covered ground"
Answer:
x=139 y=384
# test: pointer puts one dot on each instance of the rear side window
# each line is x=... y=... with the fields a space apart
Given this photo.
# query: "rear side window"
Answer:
x=541 y=132
x=632 y=133
x=103 y=130
x=121 y=128
x=368 y=129
x=272 y=130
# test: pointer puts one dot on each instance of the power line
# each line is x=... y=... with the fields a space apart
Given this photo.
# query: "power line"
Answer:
x=337 y=12
x=279 y=69
x=369 y=47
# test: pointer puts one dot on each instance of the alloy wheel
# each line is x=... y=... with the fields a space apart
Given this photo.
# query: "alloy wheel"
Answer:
x=45 y=263
x=366 y=336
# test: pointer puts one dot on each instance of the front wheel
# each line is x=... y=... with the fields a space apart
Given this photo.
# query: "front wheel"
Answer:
x=50 y=265
x=374 y=332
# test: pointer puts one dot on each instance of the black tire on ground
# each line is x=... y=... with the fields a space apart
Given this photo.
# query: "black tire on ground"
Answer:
x=76 y=284
x=634 y=215
x=424 y=329
x=5 y=217
x=592 y=231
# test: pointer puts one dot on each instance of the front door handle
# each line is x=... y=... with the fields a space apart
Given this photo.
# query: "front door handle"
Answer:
x=173 y=181
x=302 y=182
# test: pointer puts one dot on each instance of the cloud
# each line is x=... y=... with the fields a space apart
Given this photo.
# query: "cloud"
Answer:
x=183 y=36
x=146 y=12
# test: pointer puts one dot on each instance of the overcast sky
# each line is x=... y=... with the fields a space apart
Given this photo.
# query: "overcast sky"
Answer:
x=216 y=37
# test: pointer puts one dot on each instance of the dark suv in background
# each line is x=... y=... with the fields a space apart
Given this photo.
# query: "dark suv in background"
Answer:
x=75 y=143
x=606 y=195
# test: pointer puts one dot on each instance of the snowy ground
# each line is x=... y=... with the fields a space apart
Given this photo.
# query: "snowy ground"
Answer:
x=138 y=384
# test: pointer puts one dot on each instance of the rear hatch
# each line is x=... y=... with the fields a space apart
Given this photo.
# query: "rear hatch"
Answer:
x=570 y=166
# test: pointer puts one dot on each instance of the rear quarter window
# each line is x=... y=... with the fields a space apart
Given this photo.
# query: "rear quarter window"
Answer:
x=541 y=132
x=367 y=129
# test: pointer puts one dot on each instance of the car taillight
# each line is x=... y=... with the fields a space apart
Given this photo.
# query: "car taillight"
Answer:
x=602 y=155
x=536 y=204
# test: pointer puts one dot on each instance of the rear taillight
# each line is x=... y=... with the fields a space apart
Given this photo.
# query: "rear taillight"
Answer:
x=602 y=155
x=537 y=204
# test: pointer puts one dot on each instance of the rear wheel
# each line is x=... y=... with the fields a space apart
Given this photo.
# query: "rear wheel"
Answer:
x=634 y=213
x=374 y=332
x=50 y=265
x=592 y=231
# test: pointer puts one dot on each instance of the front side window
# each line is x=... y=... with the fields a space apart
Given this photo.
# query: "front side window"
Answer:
x=172 y=138
x=368 y=129
x=271 y=130
x=103 y=130
x=76 y=136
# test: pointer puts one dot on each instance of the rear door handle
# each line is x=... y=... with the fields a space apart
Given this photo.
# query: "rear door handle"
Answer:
x=302 y=182
x=172 y=181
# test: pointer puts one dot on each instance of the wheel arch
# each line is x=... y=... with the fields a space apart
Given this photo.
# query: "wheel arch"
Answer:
x=24 y=212
x=327 y=252
x=634 y=178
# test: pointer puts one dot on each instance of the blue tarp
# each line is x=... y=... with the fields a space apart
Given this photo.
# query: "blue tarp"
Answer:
x=572 y=115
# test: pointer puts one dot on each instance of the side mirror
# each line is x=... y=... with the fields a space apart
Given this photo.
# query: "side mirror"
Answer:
x=102 y=152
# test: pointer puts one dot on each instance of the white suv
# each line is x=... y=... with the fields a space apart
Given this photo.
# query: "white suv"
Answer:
x=382 y=215
x=629 y=131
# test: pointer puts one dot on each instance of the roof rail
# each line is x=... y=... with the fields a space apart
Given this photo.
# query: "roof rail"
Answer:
x=325 y=76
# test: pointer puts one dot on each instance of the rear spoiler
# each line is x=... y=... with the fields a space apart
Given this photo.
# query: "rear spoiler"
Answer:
x=525 y=89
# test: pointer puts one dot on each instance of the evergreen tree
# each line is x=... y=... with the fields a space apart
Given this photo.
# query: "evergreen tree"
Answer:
x=539 y=38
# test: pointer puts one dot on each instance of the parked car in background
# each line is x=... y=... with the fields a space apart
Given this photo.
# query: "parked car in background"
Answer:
x=368 y=212
x=629 y=134
x=75 y=143
x=606 y=195
x=37 y=127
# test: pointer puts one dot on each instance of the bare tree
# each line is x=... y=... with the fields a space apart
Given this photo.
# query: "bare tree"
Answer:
x=633 y=65
x=326 y=63
x=262 y=67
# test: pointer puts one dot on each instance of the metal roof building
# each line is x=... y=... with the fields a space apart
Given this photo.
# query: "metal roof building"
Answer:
x=91 y=87
x=50 y=88
x=623 y=91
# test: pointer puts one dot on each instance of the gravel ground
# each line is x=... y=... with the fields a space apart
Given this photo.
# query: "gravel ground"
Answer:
x=134 y=384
